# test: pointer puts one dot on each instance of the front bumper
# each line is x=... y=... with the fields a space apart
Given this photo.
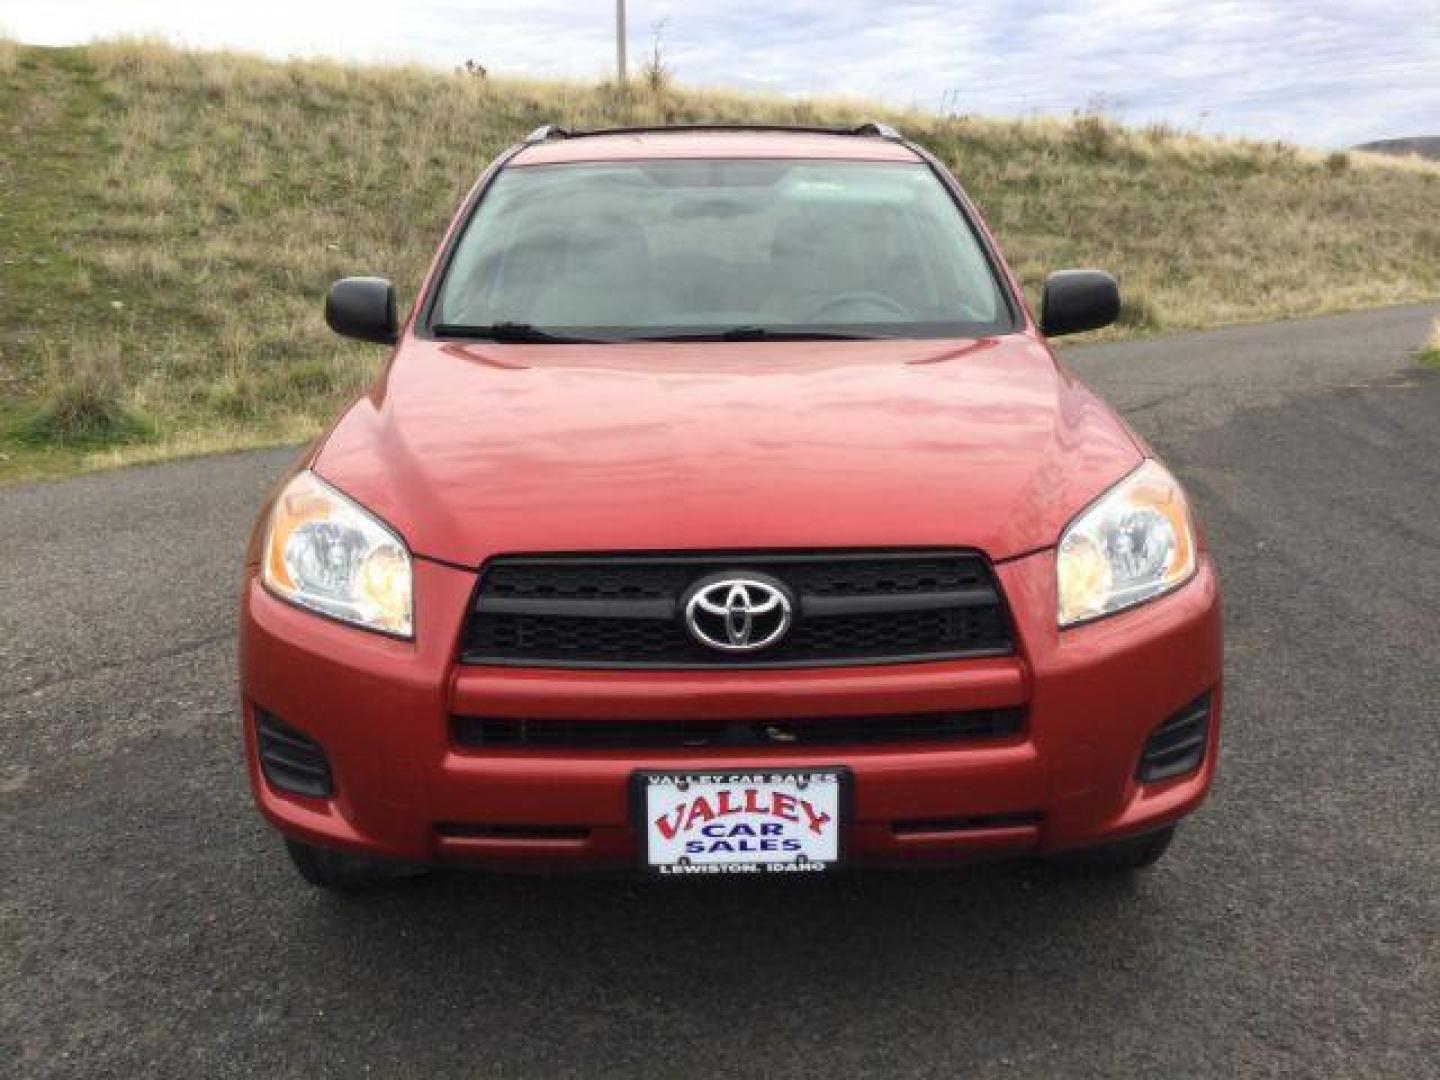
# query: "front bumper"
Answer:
x=403 y=789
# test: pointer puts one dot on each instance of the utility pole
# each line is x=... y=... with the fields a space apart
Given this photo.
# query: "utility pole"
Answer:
x=620 y=39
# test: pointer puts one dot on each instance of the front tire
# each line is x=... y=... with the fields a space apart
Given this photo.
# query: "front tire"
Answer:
x=339 y=872
x=1123 y=856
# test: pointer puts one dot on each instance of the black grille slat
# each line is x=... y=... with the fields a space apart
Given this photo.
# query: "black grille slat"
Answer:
x=978 y=823
x=1176 y=742
x=563 y=607
x=559 y=579
x=645 y=577
x=860 y=603
x=887 y=575
x=292 y=761
x=911 y=634
x=492 y=733
x=624 y=611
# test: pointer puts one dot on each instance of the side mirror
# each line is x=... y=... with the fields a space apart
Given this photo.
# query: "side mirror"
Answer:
x=1076 y=300
x=364 y=308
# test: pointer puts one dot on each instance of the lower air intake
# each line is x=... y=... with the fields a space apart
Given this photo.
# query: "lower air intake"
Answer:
x=290 y=760
x=1177 y=746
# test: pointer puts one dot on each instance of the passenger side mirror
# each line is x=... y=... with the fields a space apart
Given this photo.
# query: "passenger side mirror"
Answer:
x=364 y=308
x=1076 y=300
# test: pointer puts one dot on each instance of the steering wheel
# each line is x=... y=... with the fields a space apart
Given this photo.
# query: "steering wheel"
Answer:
x=851 y=299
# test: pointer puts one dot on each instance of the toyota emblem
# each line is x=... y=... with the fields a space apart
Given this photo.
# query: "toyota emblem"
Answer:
x=736 y=612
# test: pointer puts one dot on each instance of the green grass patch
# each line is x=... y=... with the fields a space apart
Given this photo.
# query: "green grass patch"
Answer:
x=1429 y=354
x=77 y=417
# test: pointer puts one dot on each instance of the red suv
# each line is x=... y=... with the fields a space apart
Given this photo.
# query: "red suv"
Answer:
x=721 y=509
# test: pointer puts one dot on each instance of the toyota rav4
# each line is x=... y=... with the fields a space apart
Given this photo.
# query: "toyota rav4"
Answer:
x=722 y=509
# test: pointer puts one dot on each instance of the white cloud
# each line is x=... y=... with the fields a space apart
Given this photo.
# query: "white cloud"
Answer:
x=1325 y=72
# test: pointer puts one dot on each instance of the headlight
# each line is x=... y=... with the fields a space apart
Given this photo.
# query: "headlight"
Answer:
x=1132 y=545
x=324 y=552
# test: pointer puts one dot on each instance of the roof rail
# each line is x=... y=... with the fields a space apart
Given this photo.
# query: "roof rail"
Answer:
x=879 y=131
x=869 y=129
x=546 y=132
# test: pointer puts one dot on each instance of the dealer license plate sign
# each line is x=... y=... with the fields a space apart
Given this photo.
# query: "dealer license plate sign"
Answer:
x=745 y=821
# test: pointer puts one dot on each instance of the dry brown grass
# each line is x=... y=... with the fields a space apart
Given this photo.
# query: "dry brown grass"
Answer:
x=191 y=208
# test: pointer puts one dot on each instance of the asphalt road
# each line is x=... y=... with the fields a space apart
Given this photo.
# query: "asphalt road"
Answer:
x=151 y=925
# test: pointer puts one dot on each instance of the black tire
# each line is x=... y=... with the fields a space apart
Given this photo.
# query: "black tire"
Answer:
x=338 y=872
x=1123 y=856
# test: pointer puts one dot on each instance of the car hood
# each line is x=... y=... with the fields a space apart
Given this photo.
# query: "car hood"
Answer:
x=474 y=450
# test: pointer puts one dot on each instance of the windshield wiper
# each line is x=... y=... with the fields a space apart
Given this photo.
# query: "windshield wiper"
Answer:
x=760 y=333
x=508 y=333
x=525 y=333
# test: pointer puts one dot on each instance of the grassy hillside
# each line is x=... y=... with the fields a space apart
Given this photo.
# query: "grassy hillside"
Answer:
x=169 y=222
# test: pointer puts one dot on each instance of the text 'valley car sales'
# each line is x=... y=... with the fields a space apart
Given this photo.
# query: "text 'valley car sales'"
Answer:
x=765 y=818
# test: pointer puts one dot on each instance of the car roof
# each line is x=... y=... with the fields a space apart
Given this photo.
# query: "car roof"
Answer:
x=717 y=142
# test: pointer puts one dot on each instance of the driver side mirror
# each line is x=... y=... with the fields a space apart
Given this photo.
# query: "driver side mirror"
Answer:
x=1076 y=300
x=364 y=308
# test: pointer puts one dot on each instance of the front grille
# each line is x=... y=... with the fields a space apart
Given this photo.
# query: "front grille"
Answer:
x=1177 y=746
x=492 y=734
x=290 y=760
x=624 y=611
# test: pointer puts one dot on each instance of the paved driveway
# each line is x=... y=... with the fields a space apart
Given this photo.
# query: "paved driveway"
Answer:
x=151 y=925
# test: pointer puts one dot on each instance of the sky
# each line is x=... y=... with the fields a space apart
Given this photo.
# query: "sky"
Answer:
x=1318 y=72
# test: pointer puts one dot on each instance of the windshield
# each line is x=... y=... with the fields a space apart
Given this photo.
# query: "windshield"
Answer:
x=717 y=248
